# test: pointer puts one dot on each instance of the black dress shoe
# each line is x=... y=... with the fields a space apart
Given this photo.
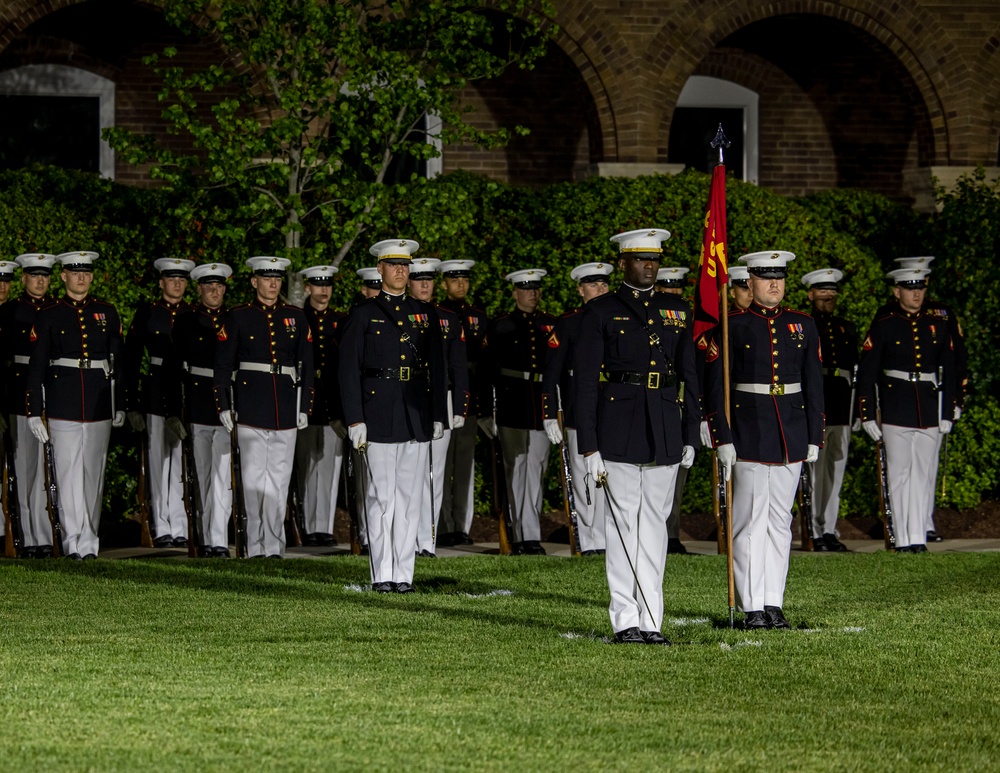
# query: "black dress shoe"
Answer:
x=933 y=536
x=775 y=619
x=309 y=540
x=654 y=637
x=324 y=540
x=274 y=555
x=904 y=549
x=461 y=538
x=754 y=620
x=533 y=548
x=166 y=541
x=90 y=557
x=446 y=539
x=835 y=545
x=629 y=636
x=590 y=553
x=180 y=542
x=819 y=546
x=384 y=587
x=364 y=551
x=676 y=547
x=29 y=552
x=918 y=548
x=219 y=552
x=517 y=549
x=74 y=557
x=405 y=587
x=43 y=551
x=426 y=554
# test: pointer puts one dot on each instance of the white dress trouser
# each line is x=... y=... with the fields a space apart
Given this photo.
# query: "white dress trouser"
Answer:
x=29 y=464
x=166 y=491
x=266 y=457
x=762 y=531
x=674 y=518
x=393 y=499
x=458 y=501
x=639 y=496
x=828 y=477
x=932 y=482
x=212 y=452
x=911 y=454
x=80 y=452
x=525 y=458
x=319 y=456
x=437 y=456
x=590 y=520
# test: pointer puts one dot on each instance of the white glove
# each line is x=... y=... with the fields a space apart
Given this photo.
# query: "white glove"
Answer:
x=176 y=427
x=945 y=426
x=37 y=427
x=358 y=433
x=119 y=420
x=488 y=426
x=727 y=457
x=226 y=417
x=856 y=426
x=338 y=428
x=812 y=453
x=136 y=421
x=705 y=434
x=595 y=466
x=457 y=422
x=958 y=413
x=687 y=458
x=873 y=430
x=302 y=422
x=553 y=431
x=438 y=431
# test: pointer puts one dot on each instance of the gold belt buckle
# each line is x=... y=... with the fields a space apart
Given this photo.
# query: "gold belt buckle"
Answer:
x=653 y=381
x=85 y=363
x=404 y=374
x=777 y=389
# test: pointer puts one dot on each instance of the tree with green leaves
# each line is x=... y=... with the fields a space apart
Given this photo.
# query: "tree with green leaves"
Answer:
x=313 y=100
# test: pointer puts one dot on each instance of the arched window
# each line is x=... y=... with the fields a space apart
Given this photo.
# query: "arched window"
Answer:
x=54 y=114
x=704 y=103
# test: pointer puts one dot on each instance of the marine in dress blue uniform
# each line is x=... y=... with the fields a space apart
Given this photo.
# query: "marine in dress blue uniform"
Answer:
x=838 y=343
x=776 y=424
x=191 y=368
x=146 y=400
x=510 y=367
x=423 y=272
x=558 y=393
x=72 y=380
x=7 y=269
x=907 y=394
x=319 y=449
x=457 y=503
x=632 y=428
x=264 y=375
x=17 y=317
x=393 y=385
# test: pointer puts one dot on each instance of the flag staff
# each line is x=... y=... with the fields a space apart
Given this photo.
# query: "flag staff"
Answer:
x=720 y=142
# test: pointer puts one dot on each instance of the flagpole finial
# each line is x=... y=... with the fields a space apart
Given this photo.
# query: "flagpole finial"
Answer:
x=720 y=142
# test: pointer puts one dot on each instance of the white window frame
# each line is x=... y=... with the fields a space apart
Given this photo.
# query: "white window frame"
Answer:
x=59 y=80
x=704 y=91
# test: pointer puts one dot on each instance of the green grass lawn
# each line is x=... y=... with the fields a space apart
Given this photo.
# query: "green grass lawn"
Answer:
x=169 y=664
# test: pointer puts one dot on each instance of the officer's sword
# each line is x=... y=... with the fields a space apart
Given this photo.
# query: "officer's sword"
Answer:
x=366 y=472
x=430 y=482
x=602 y=482
x=111 y=375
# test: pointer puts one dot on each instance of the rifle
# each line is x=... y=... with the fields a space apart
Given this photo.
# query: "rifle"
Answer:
x=293 y=511
x=142 y=494
x=351 y=500
x=52 y=493
x=804 y=499
x=501 y=503
x=719 y=505
x=14 y=532
x=239 y=503
x=883 y=478
x=569 y=498
x=192 y=492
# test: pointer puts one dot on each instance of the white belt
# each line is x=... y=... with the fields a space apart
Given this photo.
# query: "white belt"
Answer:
x=525 y=375
x=84 y=364
x=203 y=372
x=769 y=389
x=839 y=372
x=156 y=361
x=264 y=367
x=22 y=359
x=903 y=375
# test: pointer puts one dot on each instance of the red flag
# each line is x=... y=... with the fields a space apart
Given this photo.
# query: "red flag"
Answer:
x=713 y=271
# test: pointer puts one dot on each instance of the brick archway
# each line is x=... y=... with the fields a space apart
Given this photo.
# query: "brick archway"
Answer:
x=684 y=42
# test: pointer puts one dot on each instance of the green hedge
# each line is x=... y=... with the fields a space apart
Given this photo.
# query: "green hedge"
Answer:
x=502 y=227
